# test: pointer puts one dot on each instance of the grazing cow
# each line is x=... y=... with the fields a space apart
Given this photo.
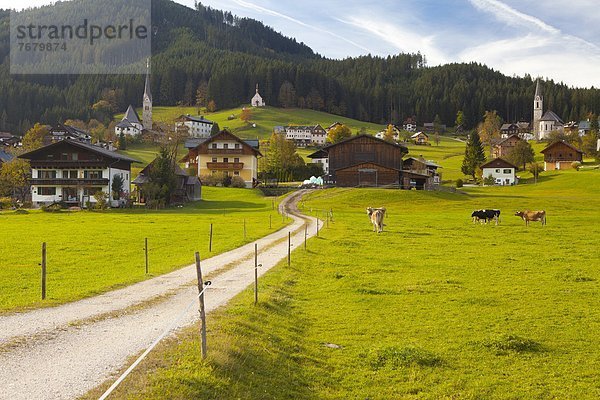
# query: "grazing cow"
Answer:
x=376 y=216
x=535 y=216
x=484 y=216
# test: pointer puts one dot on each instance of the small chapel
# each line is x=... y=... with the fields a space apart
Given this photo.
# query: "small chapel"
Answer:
x=257 y=100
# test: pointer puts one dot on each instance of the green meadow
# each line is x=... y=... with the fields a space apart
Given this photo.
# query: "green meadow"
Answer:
x=436 y=307
x=93 y=252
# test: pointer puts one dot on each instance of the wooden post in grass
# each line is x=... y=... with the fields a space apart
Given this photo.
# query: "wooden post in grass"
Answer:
x=270 y=221
x=146 y=253
x=283 y=217
x=210 y=239
x=305 y=235
x=44 y=271
x=202 y=310
x=289 y=248
x=255 y=273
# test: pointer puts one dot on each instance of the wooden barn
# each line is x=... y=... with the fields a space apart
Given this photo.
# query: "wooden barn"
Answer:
x=560 y=155
x=365 y=160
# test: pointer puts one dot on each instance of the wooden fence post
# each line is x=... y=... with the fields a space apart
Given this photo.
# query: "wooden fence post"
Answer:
x=255 y=273
x=210 y=239
x=44 y=271
x=202 y=310
x=270 y=221
x=146 y=253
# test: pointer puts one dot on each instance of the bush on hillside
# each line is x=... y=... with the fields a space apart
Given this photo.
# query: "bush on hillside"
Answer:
x=459 y=183
x=238 y=182
x=576 y=165
x=101 y=200
x=5 y=203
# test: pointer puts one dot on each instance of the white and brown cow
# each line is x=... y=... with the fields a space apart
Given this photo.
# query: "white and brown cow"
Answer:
x=376 y=216
x=528 y=216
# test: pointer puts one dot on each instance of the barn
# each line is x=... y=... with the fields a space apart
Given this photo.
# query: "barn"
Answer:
x=364 y=160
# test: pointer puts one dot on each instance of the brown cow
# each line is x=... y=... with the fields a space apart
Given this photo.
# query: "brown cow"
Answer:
x=376 y=216
x=532 y=216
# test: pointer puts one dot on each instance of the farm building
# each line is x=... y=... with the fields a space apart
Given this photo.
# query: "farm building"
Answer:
x=363 y=160
x=560 y=155
x=188 y=187
x=506 y=146
x=71 y=172
x=305 y=136
x=422 y=167
x=227 y=153
x=503 y=172
x=198 y=127
x=321 y=157
x=63 y=132
x=420 y=138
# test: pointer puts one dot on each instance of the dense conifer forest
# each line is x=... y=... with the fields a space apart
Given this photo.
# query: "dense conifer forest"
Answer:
x=226 y=56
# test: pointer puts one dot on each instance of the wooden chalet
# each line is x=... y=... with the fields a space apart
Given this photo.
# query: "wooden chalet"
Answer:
x=64 y=132
x=364 y=160
x=420 y=138
x=189 y=188
x=560 y=155
x=423 y=167
x=506 y=146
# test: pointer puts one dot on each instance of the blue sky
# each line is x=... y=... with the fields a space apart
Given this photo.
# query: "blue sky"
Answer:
x=558 y=39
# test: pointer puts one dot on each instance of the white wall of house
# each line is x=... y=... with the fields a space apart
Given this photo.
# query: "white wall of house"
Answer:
x=134 y=130
x=502 y=176
x=198 y=129
x=324 y=162
x=548 y=126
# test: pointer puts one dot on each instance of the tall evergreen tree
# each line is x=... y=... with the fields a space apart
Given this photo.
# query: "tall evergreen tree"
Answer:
x=474 y=155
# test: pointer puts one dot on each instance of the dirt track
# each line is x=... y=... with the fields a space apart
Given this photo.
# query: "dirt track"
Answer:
x=65 y=351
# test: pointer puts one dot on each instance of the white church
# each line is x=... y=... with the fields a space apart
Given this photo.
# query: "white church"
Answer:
x=257 y=100
x=544 y=123
x=131 y=125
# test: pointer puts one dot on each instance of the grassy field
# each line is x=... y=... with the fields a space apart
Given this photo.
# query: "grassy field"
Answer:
x=435 y=307
x=91 y=252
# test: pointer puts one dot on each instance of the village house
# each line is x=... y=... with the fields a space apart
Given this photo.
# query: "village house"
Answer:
x=334 y=125
x=503 y=172
x=509 y=130
x=305 y=136
x=225 y=153
x=257 y=100
x=422 y=167
x=66 y=132
x=410 y=124
x=188 y=188
x=130 y=124
x=198 y=127
x=321 y=157
x=561 y=155
x=9 y=140
x=431 y=127
x=71 y=172
x=506 y=146
x=420 y=138
x=395 y=130
x=365 y=160
x=584 y=127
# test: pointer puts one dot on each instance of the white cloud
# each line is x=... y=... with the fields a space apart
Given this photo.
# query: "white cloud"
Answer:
x=403 y=40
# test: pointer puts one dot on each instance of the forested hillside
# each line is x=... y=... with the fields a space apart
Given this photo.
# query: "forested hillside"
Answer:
x=226 y=56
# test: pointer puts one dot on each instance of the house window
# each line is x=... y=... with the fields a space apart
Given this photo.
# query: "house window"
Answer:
x=214 y=145
x=69 y=174
x=74 y=156
x=215 y=159
x=225 y=159
x=92 y=174
x=225 y=146
x=237 y=145
x=237 y=160
x=507 y=171
x=497 y=171
x=236 y=173
x=46 y=174
x=91 y=191
x=64 y=156
x=46 y=191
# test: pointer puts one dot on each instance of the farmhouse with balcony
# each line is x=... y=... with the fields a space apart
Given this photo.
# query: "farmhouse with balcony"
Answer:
x=9 y=140
x=226 y=153
x=422 y=167
x=560 y=155
x=365 y=160
x=188 y=188
x=420 y=138
x=503 y=172
x=321 y=157
x=198 y=127
x=305 y=136
x=506 y=146
x=71 y=172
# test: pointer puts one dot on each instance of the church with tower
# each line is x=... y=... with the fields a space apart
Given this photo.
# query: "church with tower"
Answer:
x=257 y=100
x=544 y=123
x=131 y=125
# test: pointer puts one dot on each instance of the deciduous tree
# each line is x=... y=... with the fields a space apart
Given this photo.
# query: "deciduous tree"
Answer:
x=489 y=129
x=339 y=133
x=246 y=114
x=521 y=154
x=34 y=137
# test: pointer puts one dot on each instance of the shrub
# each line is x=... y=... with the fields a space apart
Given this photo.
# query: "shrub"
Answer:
x=576 y=165
x=55 y=207
x=5 y=203
x=211 y=180
x=226 y=181
x=238 y=182
x=459 y=183
x=101 y=200
x=401 y=357
x=489 y=181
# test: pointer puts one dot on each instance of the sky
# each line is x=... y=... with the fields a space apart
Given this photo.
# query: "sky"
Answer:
x=555 y=39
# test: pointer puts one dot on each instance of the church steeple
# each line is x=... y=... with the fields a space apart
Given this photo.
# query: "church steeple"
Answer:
x=147 y=101
x=538 y=108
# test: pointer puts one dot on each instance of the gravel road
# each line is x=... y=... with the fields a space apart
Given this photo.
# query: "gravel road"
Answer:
x=65 y=351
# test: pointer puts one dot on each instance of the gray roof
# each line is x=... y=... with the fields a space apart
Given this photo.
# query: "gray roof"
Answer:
x=197 y=119
x=131 y=116
x=551 y=116
x=5 y=157
x=585 y=125
x=193 y=143
x=538 y=89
